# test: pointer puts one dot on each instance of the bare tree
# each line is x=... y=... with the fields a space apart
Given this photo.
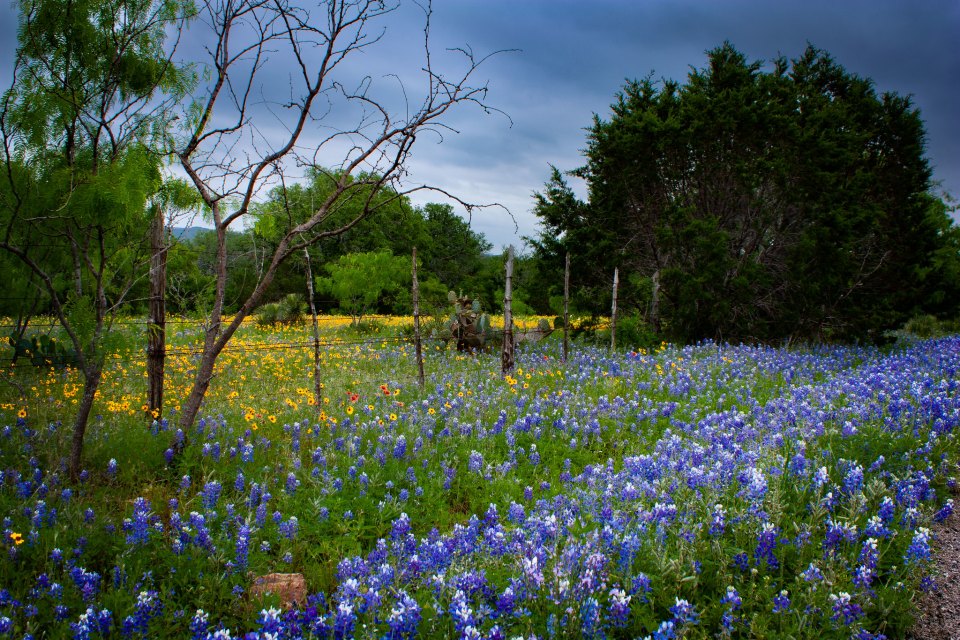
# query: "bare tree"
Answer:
x=231 y=159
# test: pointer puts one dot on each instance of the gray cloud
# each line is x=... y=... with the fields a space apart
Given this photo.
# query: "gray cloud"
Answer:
x=575 y=56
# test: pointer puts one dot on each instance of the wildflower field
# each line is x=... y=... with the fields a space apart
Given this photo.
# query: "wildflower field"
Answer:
x=702 y=491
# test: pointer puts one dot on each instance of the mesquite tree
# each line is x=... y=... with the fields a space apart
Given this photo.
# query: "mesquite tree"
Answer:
x=93 y=84
x=231 y=159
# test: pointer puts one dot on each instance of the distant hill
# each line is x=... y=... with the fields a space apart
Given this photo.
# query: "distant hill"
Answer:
x=185 y=234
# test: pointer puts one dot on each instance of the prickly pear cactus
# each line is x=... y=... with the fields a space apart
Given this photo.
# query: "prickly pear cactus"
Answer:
x=468 y=324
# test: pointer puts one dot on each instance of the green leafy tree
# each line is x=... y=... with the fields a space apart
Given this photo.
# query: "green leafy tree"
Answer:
x=452 y=252
x=360 y=281
x=93 y=82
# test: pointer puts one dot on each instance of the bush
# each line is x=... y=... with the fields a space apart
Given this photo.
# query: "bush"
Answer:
x=925 y=326
x=267 y=314
x=635 y=332
x=289 y=310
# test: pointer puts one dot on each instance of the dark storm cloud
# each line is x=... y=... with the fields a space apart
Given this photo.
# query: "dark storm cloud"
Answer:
x=576 y=55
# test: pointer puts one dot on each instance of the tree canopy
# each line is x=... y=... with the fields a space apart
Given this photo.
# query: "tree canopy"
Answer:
x=757 y=202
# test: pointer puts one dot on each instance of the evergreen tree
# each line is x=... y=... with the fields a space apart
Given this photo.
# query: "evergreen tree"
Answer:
x=754 y=203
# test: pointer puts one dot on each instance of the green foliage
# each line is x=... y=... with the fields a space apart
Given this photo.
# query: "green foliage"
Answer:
x=925 y=326
x=634 y=332
x=42 y=351
x=289 y=310
x=766 y=202
x=84 y=127
x=358 y=281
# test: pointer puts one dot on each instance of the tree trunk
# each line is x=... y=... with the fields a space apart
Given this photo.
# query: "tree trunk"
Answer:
x=92 y=375
x=200 y=385
x=217 y=336
x=213 y=341
x=156 y=326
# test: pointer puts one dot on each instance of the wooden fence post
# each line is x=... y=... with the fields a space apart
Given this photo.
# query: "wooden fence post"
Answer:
x=566 y=309
x=507 y=353
x=613 y=310
x=317 y=392
x=416 y=321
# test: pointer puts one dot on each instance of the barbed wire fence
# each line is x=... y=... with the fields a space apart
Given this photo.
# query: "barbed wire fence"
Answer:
x=31 y=375
x=15 y=382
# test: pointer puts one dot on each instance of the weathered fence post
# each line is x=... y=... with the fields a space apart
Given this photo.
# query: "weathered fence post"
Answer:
x=317 y=392
x=507 y=353
x=566 y=308
x=613 y=310
x=418 y=345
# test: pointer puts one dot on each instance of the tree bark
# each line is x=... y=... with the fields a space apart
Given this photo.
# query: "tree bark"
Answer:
x=92 y=375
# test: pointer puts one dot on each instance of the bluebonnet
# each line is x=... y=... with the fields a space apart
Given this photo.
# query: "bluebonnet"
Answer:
x=944 y=512
x=845 y=610
x=138 y=526
x=148 y=606
x=812 y=574
x=919 y=549
x=211 y=494
x=781 y=602
x=92 y=623
x=198 y=624
x=400 y=447
x=619 y=607
x=684 y=612
x=766 y=543
x=718 y=522
x=292 y=483
x=242 y=547
x=289 y=528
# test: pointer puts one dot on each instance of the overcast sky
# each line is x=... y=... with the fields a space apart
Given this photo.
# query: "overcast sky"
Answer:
x=573 y=56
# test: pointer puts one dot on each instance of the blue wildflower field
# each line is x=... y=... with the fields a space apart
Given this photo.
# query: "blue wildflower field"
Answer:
x=704 y=491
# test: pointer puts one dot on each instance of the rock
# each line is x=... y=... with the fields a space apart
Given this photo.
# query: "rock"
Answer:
x=291 y=588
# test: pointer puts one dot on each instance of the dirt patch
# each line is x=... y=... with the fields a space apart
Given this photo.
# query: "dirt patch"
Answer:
x=938 y=610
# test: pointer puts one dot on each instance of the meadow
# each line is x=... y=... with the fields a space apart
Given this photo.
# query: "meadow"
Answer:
x=699 y=491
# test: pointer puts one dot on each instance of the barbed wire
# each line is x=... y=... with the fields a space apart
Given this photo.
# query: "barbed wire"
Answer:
x=357 y=379
x=200 y=322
